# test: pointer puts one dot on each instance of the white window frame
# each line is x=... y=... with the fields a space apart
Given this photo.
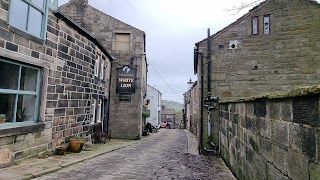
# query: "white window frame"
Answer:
x=255 y=25
x=97 y=66
x=266 y=28
x=98 y=120
x=102 y=69
x=43 y=11
x=93 y=110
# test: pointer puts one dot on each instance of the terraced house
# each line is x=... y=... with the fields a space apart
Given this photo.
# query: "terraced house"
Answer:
x=260 y=131
x=127 y=45
x=54 y=78
x=272 y=48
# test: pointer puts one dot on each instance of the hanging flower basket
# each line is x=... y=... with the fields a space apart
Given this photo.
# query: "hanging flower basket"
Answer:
x=146 y=113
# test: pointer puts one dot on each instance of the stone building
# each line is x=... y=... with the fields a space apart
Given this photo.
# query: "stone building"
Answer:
x=127 y=45
x=168 y=116
x=272 y=48
x=54 y=78
x=187 y=109
x=154 y=97
x=191 y=108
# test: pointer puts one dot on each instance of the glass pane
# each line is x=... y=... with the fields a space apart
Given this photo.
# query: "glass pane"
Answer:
x=93 y=110
x=99 y=111
x=7 y=102
x=38 y=3
x=9 y=74
x=28 y=81
x=25 y=110
x=96 y=68
x=35 y=22
x=101 y=70
x=19 y=12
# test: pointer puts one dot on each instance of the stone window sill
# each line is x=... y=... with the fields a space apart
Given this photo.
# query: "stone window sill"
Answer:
x=16 y=129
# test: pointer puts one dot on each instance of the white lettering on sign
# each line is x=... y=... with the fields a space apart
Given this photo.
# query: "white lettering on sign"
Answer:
x=125 y=80
x=125 y=85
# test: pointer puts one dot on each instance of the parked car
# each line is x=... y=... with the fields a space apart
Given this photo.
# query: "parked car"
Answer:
x=163 y=125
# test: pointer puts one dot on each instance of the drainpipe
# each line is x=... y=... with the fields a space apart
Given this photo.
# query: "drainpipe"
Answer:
x=109 y=100
x=201 y=107
x=196 y=54
x=209 y=63
x=209 y=85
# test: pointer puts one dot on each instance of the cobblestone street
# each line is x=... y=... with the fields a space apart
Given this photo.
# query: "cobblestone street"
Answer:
x=161 y=156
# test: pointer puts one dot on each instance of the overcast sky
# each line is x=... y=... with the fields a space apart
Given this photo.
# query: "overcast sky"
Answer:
x=172 y=28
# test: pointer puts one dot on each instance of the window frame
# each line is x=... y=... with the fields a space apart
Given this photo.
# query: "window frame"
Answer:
x=257 y=25
x=102 y=69
x=23 y=92
x=117 y=45
x=93 y=110
x=99 y=113
x=124 y=97
x=97 y=66
x=25 y=32
x=264 y=21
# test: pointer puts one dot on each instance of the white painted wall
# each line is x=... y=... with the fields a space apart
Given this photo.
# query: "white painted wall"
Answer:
x=155 y=105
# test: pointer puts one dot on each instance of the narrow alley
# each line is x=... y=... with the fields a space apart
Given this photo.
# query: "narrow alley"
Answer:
x=164 y=155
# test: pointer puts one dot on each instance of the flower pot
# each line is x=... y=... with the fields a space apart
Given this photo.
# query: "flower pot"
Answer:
x=61 y=150
x=75 y=145
x=2 y=118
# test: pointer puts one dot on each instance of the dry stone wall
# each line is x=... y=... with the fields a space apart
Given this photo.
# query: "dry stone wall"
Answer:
x=272 y=138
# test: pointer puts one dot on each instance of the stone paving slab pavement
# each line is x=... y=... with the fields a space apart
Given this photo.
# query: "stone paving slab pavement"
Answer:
x=34 y=167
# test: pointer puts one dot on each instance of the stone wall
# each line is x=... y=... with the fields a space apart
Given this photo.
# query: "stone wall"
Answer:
x=28 y=140
x=72 y=83
x=273 y=137
x=125 y=117
x=66 y=60
x=194 y=110
x=286 y=58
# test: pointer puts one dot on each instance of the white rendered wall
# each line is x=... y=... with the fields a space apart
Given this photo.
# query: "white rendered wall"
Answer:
x=155 y=105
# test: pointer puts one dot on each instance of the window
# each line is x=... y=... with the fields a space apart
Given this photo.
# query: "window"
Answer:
x=122 y=42
x=93 y=110
x=266 y=24
x=102 y=70
x=19 y=92
x=96 y=111
x=97 y=66
x=255 y=28
x=29 y=16
x=99 y=111
x=125 y=97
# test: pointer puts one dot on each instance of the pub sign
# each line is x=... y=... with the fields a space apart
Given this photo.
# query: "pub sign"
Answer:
x=126 y=80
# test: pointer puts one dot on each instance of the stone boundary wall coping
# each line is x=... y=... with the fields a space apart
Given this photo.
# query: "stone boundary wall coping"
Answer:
x=301 y=91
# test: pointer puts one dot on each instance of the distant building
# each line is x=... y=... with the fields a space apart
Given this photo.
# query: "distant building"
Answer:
x=168 y=116
x=129 y=69
x=192 y=106
x=154 y=97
